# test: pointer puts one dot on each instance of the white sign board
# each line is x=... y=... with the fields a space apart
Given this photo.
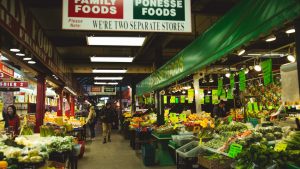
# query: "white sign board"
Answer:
x=127 y=15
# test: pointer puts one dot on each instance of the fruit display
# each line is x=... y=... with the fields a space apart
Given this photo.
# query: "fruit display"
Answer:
x=165 y=129
x=146 y=120
x=233 y=126
x=46 y=131
x=26 y=130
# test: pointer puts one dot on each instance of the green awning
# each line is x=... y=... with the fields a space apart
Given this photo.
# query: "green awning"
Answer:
x=246 y=21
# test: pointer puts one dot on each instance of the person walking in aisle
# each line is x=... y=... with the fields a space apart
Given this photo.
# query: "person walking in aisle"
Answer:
x=107 y=118
x=91 y=121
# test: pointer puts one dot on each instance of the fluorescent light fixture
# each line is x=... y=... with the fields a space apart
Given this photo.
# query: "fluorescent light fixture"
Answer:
x=183 y=92
x=254 y=54
x=14 y=50
x=271 y=38
x=108 y=78
x=115 y=41
x=31 y=62
x=112 y=83
x=20 y=54
x=227 y=75
x=257 y=68
x=291 y=58
x=70 y=90
x=292 y=30
x=109 y=70
x=241 y=51
x=104 y=83
x=27 y=58
x=100 y=83
x=111 y=59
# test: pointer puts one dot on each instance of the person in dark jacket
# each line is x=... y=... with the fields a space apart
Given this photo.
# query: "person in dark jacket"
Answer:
x=107 y=117
x=219 y=110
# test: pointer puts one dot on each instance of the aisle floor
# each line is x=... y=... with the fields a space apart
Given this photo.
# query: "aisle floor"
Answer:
x=115 y=155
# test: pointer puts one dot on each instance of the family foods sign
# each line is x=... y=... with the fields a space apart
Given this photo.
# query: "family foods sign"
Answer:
x=127 y=15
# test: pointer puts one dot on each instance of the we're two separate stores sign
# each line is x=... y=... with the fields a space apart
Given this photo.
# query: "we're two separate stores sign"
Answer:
x=127 y=15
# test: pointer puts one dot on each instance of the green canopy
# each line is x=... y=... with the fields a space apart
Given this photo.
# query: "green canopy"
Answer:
x=244 y=22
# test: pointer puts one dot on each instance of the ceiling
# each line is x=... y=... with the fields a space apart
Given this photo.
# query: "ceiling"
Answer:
x=72 y=46
x=156 y=51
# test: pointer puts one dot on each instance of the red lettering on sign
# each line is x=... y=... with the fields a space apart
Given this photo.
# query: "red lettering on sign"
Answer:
x=112 y=9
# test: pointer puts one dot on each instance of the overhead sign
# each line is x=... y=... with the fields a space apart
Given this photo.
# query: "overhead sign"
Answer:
x=101 y=90
x=4 y=69
x=127 y=15
x=13 y=84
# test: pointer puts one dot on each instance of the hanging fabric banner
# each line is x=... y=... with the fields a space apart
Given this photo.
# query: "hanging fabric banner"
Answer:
x=182 y=99
x=220 y=86
x=242 y=78
x=230 y=93
x=232 y=81
x=215 y=97
x=165 y=99
x=223 y=95
x=172 y=99
x=191 y=95
x=207 y=99
x=201 y=93
x=267 y=71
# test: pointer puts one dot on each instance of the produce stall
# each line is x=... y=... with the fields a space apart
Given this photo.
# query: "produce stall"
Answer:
x=34 y=151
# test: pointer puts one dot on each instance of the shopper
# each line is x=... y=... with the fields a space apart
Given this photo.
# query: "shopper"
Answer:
x=219 y=110
x=91 y=121
x=107 y=118
x=13 y=119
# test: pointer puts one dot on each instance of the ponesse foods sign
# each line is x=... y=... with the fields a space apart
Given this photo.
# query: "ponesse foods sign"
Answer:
x=127 y=15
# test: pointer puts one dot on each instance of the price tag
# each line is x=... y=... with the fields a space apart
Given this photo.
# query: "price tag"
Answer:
x=167 y=112
x=176 y=100
x=165 y=99
x=255 y=107
x=196 y=129
x=280 y=146
x=250 y=108
x=172 y=99
x=182 y=99
x=230 y=119
x=234 y=150
x=182 y=117
x=191 y=95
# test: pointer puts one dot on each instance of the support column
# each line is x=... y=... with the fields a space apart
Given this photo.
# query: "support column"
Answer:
x=60 y=102
x=196 y=78
x=297 y=28
x=160 y=107
x=72 y=106
x=120 y=99
x=40 y=102
x=133 y=92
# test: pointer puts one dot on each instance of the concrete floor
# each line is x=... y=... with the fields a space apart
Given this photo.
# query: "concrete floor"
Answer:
x=115 y=155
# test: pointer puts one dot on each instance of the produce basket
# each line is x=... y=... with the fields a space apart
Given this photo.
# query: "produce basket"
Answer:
x=59 y=157
x=189 y=150
x=181 y=140
x=31 y=165
x=215 y=163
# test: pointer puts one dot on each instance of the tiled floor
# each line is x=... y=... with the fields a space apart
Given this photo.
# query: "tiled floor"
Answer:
x=114 y=155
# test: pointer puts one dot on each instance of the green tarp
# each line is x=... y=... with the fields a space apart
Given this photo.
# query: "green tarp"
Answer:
x=246 y=21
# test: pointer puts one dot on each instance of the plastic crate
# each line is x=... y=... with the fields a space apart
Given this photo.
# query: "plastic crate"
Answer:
x=148 y=154
x=187 y=163
x=292 y=166
x=59 y=157
x=215 y=163
x=189 y=150
x=181 y=140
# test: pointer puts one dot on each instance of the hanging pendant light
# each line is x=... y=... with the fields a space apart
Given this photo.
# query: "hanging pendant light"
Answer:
x=257 y=66
x=211 y=80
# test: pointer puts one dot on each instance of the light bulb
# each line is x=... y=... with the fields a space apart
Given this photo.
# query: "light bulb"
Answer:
x=183 y=92
x=227 y=75
x=292 y=30
x=246 y=71
x=242 y=51
x=271 y=38
x=291 y=58
x=257 y=68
